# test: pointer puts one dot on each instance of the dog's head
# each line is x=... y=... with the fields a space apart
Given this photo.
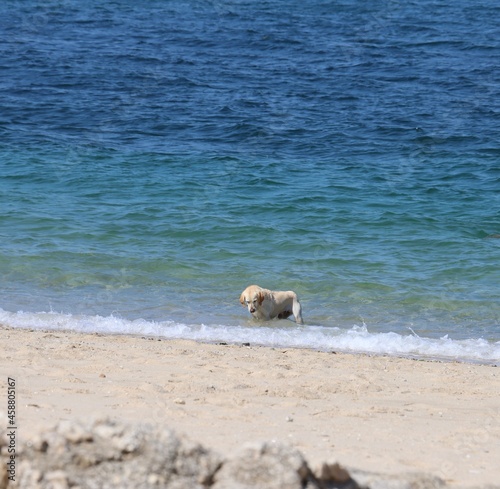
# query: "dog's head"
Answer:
x=252 y=297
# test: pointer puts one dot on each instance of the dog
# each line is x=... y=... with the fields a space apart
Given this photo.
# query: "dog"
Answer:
x=267 y=304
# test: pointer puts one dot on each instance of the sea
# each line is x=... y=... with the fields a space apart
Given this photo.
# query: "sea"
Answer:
x=157 y=157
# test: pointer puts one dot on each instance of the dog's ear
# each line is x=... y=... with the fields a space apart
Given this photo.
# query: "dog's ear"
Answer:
x=261 y=296
x=242 y=299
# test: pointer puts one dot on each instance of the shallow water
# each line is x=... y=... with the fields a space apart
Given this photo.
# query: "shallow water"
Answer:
x=157 y=159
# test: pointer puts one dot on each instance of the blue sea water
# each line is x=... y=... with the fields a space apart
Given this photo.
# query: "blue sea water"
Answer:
x=158 y=157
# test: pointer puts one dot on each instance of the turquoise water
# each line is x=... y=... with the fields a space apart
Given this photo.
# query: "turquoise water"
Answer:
x=156 y=159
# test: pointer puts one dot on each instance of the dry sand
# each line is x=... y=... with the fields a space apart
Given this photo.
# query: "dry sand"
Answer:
x=375 y=413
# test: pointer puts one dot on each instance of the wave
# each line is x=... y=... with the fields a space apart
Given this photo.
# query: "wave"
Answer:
x=355 y=340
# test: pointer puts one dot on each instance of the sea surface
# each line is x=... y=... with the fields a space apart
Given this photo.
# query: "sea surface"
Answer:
x=157 y=157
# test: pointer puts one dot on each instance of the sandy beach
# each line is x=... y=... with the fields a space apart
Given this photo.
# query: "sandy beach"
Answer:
x=382 y=414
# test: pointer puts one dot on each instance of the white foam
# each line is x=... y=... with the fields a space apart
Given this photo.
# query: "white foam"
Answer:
x=355 y=340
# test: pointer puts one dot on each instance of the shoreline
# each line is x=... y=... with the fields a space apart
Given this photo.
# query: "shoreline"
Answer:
x=382 y=414
x=315 y=338
x=416 y=358
x=404 y=356
x=435 y=357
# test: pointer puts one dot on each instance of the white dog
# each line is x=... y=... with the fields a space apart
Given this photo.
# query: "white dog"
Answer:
x=267 y=304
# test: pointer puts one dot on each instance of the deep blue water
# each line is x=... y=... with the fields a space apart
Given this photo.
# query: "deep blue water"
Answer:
x=158 y=157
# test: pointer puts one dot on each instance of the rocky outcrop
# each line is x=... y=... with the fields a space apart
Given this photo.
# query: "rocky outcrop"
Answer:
x=106 y=454
x=276 y=466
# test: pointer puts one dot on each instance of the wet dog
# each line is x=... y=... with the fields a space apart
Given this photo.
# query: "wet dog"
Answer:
x=267 y=304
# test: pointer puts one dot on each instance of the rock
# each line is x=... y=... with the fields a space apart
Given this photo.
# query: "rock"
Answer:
x=108 y=454
x=269 y=466
x=400 y=481
x=332 y=475
x=3 y=476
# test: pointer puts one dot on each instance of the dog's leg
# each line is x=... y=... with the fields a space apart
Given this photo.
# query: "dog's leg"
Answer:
x=297 y=311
